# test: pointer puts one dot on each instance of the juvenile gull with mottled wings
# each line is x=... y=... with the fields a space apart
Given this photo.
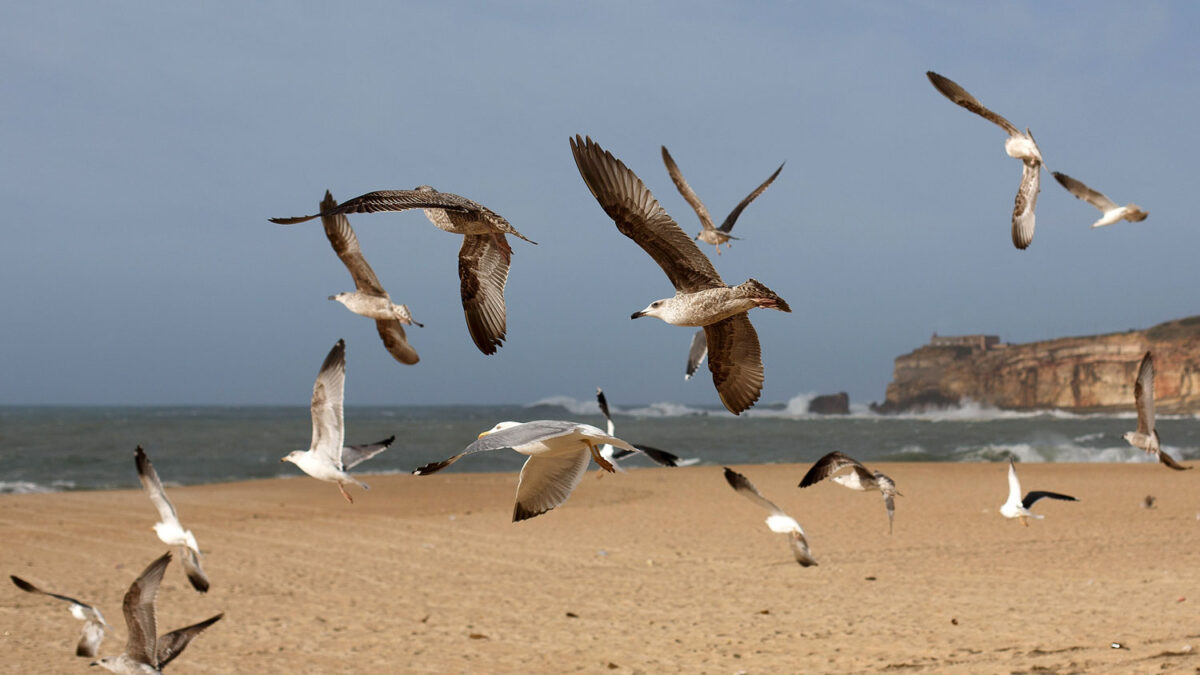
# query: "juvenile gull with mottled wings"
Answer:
x=1110 y=210
x=1017 y=506
x=860 y=478
x=94 y=624
x=778 y=521
x=168 y=528
x=701 y=299
x=1146 y=435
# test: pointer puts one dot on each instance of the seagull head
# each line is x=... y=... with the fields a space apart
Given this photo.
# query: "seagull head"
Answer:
x=292 y=456
x=657 y=308
x=424 y=188
x=500 y=426
x=107 y=663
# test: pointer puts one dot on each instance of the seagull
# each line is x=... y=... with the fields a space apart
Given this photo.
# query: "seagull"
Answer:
x=326 y=459
x=860 y=478
x=701 y=299
x=607 y=451
x=1018 y=145
x=369 y=299
x=710 y=234
x=482 y=261
x=94 y=624
x=1016 y=507
x=558 y=457
x=696 y=354
x=778 y=521
x=145 y=651
x=1112 y=213
x=168 y=528
x=1146 y=436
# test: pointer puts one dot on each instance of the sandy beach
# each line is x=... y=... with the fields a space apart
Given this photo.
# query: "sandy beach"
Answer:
x=654 y=570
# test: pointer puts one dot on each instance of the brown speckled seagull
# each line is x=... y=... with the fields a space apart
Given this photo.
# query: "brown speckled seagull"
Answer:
x=712 y=234
x=1146 y=436
x=861 y=478
x=701 y=298
x=1110 y=210
x=483 y=260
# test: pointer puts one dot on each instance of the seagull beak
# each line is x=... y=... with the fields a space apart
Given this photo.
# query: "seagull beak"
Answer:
x=283 y=459
x=637 y=314
x=483 y=434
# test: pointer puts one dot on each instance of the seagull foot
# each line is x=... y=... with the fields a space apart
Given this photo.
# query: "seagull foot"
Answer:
x=604 y=463
x=345 y=494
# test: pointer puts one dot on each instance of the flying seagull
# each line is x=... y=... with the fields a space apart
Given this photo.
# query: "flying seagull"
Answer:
x=483 y=259
x=860 y=478
x=558 y=457
x=369 y=299
x=1016 y=507
x=1110 y=210
x=778 y=521
x=696 y=353
x=701 y=299
x=94 y=624
x=326 y=459
x=1018 y=145
x=1146 y=436
x=145 y=651
x=168 y=528
x=607 y=451
x=711 y=234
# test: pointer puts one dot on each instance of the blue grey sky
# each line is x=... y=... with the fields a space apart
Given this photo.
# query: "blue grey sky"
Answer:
x=146 y=144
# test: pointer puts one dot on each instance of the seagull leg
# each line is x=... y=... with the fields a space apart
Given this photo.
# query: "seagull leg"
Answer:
x=1024 y=521
x=345 y=494
x=604 y=463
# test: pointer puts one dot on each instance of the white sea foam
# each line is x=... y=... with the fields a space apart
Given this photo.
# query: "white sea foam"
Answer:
x=23 y=487
x=590 y=407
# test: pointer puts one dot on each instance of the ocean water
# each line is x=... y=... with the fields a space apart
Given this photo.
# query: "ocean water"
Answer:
x=47 y=449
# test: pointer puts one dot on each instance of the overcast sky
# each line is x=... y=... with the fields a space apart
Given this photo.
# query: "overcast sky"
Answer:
x=145 y=145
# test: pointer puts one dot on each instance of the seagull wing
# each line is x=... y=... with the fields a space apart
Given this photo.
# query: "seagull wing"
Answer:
x=744 y=487
x=1014 y=485
x=154 y=489
x=737 y=210
x=345 y=244
x=139 y=613
x=735 y=361
x=1023 y=219
x=521 y=434
x=90 y=639
x=1143 y=395
x=30 y=588
x=395 y=340
x=547 y=480
x=958 y=95
x=686 y=190
x=1084 y=192
x=483 y=270
x=1038 y=494
x=173 y=643
x=831 y=464
x=327 y=420
x=696 y=353
x=191 y=566
x=638 y=216
x=800 y=550
x=889 y=502
x=353 y=455
x=389 y=200
x=602 y=400
x=661 y=457
x=1167 y=459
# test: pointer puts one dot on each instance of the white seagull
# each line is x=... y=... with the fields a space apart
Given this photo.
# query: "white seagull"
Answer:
x=1019 y=145
x=483 y=260
x=778 y=521
x=168 y=528
x=558 y=457
x=326 y=459
x=861 y=478
x=94 y=624
x=146 y=652
x=607 y=451
x=696 y=353
x=1018 y=507
x=701 y=298
x=1111 y=211
x=1146 y=436
x=712 y=234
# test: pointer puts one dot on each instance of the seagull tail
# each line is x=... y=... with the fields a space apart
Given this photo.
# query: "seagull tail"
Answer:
x=762 y=295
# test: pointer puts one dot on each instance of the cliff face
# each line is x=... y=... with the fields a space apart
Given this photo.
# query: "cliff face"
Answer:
x=1079 y=374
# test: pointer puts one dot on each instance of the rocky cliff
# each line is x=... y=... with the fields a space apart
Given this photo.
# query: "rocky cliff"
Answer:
x=1078 y=374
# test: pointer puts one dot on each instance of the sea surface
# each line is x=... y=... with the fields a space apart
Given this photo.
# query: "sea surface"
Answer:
x=49 y=449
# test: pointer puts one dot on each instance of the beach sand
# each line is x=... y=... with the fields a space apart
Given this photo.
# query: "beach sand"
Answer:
x=654 y=570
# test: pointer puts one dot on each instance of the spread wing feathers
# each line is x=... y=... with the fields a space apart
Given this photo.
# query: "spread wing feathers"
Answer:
x=327 y=395
x=90 y=639
x=93 y=628
x=529 y=432
x=1023 y=220
x=345 y=245
x=800 y=549
x=1084 y=192
x=639 y=216
x=154 y=488
x=483 y=270
x=696 y=353
x=390 y=200
x=831 y=464
x=602 y=400
x=661 y=457
x=1038 y=494
x=735 y=361
x=1167 y=459
x=353 y=455
x=1014 y=484
x=391 y=331
x=139 y=612
x=744 y=487
x=957 y=94
x=30 y=588
x=737 y=210
x=686 y=190
x=173 y=643
x=547 y=480
x=191 y=566
x=1143 y=395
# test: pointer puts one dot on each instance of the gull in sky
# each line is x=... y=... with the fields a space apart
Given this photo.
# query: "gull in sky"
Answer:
x=701 y=299
x=1018 y=507
x=94 y=624
x=146 y=652
x=861 y=478
x=483 y=260
x=168 y=528
x=558 y=457
x=1019 y=145
x=712 y=234
x=696 y=353
x=1146 y=436
x=778 y=521
x=607 y=451
x=1109 y=209
x=326 y=459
